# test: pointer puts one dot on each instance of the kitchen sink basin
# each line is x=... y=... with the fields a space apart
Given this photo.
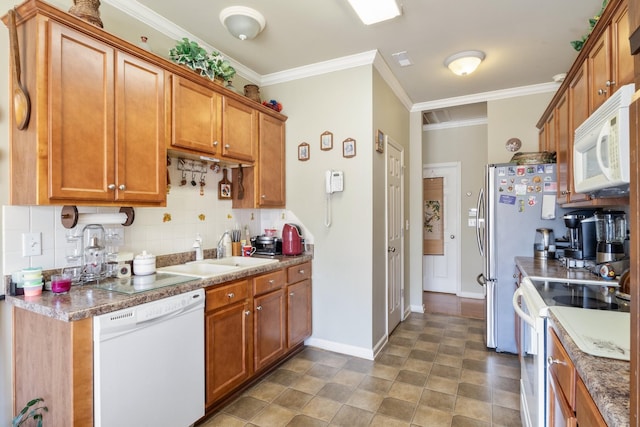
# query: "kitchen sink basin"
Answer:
x=236 y=261
x=198 y=269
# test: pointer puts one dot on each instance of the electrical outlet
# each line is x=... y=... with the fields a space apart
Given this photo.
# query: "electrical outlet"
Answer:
x=31 y=244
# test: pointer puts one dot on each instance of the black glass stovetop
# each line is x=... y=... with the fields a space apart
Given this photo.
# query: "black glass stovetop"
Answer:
x=576 y=295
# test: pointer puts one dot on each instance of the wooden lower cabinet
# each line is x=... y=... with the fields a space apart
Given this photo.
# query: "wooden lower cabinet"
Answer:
x=251 y=325
x=570 y=403
x=227 y=350
x=298 y=303
x=53 y=359
x=587 y=414
x=269 y=328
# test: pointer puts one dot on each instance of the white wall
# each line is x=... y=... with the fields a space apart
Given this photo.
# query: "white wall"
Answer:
x=514 y=118
x=468 y=145
x=392 y=118
x=341 y=103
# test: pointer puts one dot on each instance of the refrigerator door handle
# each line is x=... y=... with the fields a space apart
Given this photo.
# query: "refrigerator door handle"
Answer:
x=480 y=222
x=481 y=279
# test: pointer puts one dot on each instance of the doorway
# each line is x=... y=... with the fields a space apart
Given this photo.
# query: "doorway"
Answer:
x=395 y=235
x=441 y=267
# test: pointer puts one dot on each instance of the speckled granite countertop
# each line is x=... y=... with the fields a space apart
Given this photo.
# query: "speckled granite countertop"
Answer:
x=607 y=380
x=540 y=269
x=88 y=300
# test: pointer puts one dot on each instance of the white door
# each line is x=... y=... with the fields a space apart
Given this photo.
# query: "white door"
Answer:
x=440 y=273
x=395 y=203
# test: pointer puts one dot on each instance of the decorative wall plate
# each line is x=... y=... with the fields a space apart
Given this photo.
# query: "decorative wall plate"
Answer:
x=513 y=144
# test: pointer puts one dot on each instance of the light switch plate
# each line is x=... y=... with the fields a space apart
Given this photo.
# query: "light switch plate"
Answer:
x=31 y=244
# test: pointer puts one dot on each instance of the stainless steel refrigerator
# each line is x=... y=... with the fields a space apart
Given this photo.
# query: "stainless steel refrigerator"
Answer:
x=516 y=200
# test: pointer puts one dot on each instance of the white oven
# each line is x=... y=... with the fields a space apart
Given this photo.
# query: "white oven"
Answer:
x=532 y=322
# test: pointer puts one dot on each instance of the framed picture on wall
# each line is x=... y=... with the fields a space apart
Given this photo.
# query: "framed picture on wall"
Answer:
x=303 y=152
x=326 y=141
x=349 y=147
x=380 y=141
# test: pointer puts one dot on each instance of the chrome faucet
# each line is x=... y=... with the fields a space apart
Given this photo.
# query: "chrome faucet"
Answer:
x=220 y=249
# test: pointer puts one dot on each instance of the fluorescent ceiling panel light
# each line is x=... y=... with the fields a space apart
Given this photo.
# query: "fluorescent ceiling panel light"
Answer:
x=402 y=58
x=373 y=11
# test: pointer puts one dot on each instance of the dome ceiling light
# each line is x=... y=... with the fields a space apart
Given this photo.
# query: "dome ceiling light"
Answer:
x=464 y=63
x=242 y=22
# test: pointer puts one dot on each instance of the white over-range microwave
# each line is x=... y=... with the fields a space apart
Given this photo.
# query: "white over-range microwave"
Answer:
x=601 y=147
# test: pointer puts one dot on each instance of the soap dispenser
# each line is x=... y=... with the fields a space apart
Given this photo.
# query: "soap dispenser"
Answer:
x=197 y=247
x=227 y=244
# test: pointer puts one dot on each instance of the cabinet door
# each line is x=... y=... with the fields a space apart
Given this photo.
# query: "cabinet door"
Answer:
x=298 y=312
x=240 y=130
x=140 y=149
x=599 y=71
x=227 y=349
x=196 y=119
x=81 y=158
x=579 y=111
x=621 y=58
x=587 y=414
x=562 y=147
x=271 y=164
x=542 y=139
x=560 y=414
x=269 y=328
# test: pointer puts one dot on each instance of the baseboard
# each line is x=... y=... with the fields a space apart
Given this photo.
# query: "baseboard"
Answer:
x=350 y=350
x=470 y=295
x=417 y=308
x=380 y=345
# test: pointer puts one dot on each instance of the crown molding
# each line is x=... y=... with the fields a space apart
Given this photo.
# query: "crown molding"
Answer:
x=170 y=29
x=487 y=96
x=456 y=124
x=176 y=32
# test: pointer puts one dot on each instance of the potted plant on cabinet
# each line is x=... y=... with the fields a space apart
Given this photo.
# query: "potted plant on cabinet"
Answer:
x=31 y=411
x=212 y=65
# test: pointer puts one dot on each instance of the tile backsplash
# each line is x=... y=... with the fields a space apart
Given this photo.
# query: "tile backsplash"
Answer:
x=161 y=231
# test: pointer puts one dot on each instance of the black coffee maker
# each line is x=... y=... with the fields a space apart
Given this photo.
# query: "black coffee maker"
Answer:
x=582 y=234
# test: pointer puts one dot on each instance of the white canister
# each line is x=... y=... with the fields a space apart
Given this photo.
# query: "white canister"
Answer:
x=144 y=264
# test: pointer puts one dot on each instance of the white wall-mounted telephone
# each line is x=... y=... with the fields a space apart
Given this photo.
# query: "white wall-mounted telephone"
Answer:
x=334 y=181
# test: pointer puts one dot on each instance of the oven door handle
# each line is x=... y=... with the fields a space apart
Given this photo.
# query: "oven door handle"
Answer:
x=524 y=316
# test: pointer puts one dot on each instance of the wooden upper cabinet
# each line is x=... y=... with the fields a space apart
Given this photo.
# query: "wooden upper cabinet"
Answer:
x=542 y=139
x=562 y=148
x=610 y=60
x=599 y=71
x=579 y=112
x=271 y=164
x=106 y=121
x=622 y=60
x=240 y=130
x=196 y=117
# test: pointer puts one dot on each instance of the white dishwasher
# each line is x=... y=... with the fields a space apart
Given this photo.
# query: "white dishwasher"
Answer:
x=149 y=363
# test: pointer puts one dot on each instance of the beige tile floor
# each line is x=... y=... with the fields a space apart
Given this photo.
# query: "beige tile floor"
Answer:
x=435 y=371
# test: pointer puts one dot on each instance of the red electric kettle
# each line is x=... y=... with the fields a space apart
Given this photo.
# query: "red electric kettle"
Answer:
x=291 y=240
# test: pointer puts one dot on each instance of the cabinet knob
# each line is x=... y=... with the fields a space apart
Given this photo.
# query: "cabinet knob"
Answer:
x=111 y=186
x=247 y=312
x=214 y=143
x=122 y=187
x=291 y=294
x=552 y=361
x=259 y=308
x=264 y=196
x=271 y=282
x=301 y=271
x=610 y=83
x=231 y=295
x=602 y=92
x=227 y=146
